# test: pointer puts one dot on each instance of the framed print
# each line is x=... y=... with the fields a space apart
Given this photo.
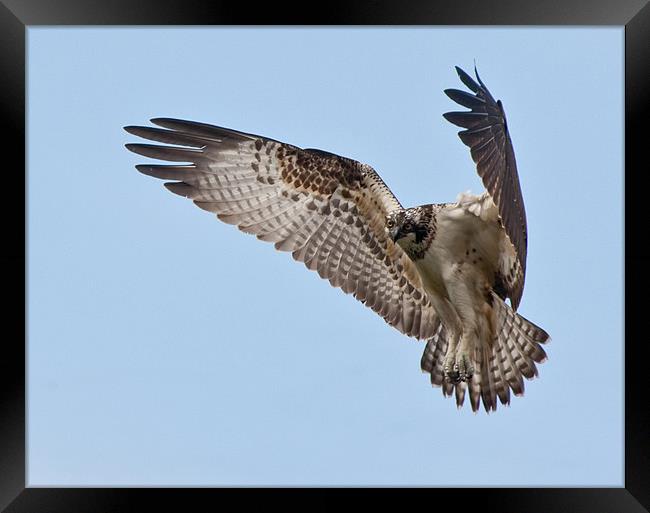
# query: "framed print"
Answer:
x=166 y=355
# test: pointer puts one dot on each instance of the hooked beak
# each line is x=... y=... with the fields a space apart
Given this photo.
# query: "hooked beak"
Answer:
x=394 y=232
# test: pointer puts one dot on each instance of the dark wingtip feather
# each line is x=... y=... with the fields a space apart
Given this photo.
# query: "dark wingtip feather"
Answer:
x=132 y=147
x=467 y=119
x=179 y=124
x=465 y=99
x=478 y=76
x=204 y=130
x=467 y=80
x=167 y=136
x=145 y=169
x=156 y=151
x=454 y=117
x=180 y=188
x=166 y=172
x=162 y=120
x=136 y=130
x=130 y=129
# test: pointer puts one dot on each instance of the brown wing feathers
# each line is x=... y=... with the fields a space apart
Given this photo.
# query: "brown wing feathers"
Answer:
x=327 y=210
x=491 y=148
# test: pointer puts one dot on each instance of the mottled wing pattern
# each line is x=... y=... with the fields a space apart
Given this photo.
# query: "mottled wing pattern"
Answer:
x=329 y=211
x=491 y=148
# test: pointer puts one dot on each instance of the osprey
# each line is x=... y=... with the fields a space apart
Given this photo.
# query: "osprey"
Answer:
x=438 y=272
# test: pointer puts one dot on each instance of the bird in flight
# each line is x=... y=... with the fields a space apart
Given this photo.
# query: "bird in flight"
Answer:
x=440 y=272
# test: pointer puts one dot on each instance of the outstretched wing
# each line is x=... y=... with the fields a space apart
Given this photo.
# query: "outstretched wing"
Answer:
x=491 y=147
x=329 y=211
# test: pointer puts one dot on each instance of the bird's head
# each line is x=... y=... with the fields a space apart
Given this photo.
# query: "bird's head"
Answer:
x=408 y=227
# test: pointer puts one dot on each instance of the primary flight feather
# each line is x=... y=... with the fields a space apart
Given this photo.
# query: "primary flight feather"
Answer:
x=437 y=272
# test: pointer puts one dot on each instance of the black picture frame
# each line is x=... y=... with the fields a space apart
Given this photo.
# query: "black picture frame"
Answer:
x=17 y=15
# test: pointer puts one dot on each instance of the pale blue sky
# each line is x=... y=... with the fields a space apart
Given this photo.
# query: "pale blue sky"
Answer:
x=167 y=348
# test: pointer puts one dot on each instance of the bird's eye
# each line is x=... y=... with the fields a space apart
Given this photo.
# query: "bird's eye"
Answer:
x=390 y=223
x=408 y=226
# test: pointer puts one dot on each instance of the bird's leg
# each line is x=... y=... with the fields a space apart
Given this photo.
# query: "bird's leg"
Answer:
x=463 y=359
x=450 y=369
x=458 y=364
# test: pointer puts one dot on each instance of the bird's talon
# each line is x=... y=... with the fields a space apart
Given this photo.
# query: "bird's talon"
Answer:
x=458 y=367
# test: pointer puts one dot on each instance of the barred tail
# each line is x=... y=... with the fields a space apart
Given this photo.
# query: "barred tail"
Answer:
x=499 y=366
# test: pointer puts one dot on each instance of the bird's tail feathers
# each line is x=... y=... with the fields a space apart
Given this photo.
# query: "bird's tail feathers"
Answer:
x=499 y=366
